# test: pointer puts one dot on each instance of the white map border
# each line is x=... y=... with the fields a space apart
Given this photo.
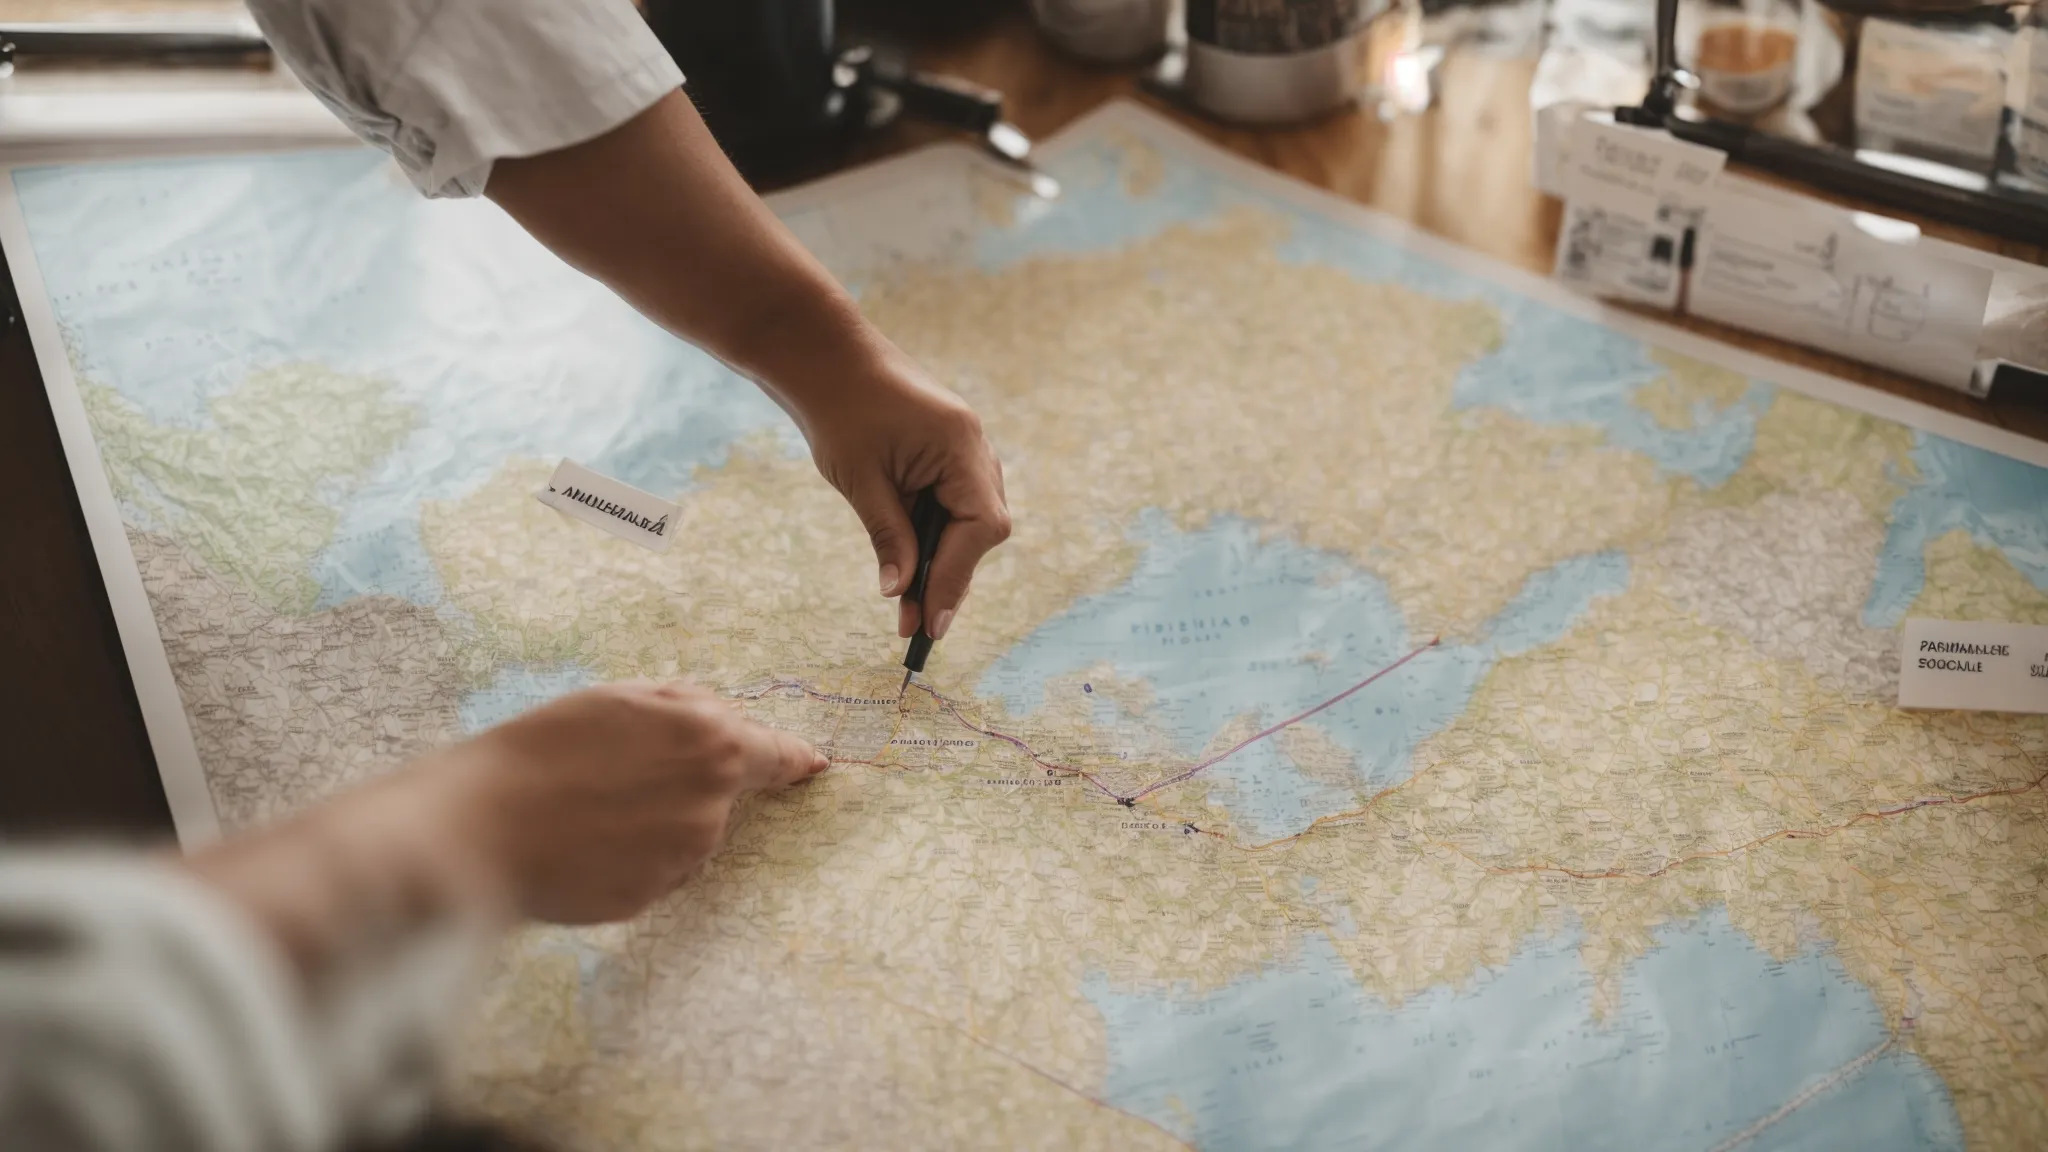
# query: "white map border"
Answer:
x=163 y=710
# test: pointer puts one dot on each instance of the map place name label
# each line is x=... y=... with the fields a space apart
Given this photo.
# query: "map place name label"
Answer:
x=602 y=502
x=1982 y=666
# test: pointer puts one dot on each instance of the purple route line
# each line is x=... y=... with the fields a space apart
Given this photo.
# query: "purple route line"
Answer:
x=1166 y=782
x=1021 y=746
x=1254 y=738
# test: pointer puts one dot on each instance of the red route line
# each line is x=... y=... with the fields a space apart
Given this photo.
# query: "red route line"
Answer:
x=954 y=708
x=1821 y=833
x=1167 y=782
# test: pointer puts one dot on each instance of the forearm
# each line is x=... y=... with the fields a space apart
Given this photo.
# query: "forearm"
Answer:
x=282 y=991
x=359 y=874
x=654 y=210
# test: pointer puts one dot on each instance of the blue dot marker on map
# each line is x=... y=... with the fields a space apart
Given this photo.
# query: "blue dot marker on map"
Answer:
x=1087 y=687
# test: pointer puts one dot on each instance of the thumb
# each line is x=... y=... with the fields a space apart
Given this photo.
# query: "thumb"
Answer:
x=881 y=512
x=776 y=759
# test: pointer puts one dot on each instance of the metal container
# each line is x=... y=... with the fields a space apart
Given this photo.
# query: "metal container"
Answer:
x=1105 y=31
x=1269 y=61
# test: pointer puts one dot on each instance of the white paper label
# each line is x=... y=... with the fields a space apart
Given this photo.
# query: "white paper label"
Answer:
x=1570 y=82
x=1621 y=166
x=2026 y=94
x=1985 y=667
x=1620 y=255
x=1630 y=195
x=620 y=509
x=1807 y=273
x=1937 y=88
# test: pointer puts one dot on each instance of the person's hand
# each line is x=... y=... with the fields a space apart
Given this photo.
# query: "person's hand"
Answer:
x=584 y=810
x=880 y=441
x=655 y=211
x=594 y=806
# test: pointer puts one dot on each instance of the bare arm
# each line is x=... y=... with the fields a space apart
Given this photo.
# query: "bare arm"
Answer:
x=567 y=112
x=293 y=987
x=654 y=210
x=581 y=811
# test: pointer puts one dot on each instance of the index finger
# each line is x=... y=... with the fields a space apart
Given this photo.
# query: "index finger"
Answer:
x=775 y=759
x=981 y=520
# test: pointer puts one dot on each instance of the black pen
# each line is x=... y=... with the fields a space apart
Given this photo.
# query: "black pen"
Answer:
x=928 y=518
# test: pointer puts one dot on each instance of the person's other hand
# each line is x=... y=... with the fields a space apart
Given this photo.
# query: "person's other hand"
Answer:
x=882 y=441
x=594 y=806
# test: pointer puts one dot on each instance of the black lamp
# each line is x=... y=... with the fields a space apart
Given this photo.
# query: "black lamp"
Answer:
x=1966 y=198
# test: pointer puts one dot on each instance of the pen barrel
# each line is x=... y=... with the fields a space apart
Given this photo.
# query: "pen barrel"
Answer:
x=920 y=647
x=928 y=518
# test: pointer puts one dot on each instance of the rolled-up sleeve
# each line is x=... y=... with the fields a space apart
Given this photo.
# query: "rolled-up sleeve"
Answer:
x=448 y=87
x=140 y=1011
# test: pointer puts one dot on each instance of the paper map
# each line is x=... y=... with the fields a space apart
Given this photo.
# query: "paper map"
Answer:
x=1417 y=709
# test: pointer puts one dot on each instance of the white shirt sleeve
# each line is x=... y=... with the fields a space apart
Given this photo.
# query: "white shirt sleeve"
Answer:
x=450 y=86
x=141 y=1012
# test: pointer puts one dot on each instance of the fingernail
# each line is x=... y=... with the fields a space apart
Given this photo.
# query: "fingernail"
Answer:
x=889 y=574
x=820 y=764
x=940 y=622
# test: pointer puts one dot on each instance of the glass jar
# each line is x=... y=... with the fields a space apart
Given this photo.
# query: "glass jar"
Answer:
x=2027 y=97
x=1741 y=50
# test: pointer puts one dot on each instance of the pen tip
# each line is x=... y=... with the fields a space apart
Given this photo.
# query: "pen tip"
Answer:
x=906 y=685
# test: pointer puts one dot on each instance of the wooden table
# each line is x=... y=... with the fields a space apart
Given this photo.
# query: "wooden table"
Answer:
x=1461 y=170
x=75 y=754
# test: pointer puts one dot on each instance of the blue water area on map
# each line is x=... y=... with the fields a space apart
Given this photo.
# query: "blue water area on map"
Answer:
x=1557 y=369
x=1710 y=1037
x=1552 y=367
x=328 y=258
x=515 y=688
x=1222 y=624
x=2002 y=503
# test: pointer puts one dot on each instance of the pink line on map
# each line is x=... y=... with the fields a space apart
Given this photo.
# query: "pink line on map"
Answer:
x=1290 y=722
x=1184 y=774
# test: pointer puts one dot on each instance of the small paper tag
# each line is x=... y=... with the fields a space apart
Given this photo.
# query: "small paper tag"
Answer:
x=1631 y=195
x=620 y=509
x=1938 y=87
x=1621 y=255
x=1984 y=667
x=1620 y=166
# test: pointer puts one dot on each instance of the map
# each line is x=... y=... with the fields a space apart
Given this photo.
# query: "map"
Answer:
x=1417 y=709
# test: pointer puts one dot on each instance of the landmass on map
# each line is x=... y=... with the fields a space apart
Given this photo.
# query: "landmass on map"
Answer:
x=1391 y=677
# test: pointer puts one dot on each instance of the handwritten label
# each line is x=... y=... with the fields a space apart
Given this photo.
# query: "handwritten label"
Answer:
x=1622 y=166
x=602 y=502
x=1984 y=667
x=1631 y=197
